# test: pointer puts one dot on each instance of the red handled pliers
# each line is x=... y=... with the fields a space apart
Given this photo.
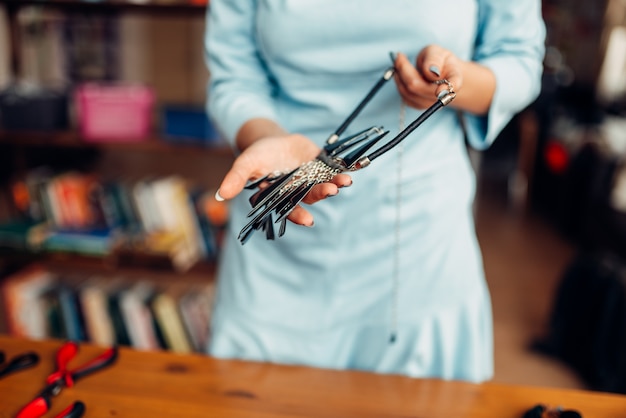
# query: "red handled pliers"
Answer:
x=63 y=377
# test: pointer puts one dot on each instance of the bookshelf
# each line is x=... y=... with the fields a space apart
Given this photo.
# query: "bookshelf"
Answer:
x=103 y=6
x=144 y=7
x=71 y=139
x=151 y=7
x=200 y=164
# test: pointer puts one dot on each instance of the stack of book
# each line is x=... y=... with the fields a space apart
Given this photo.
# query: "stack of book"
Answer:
x=141 y=221
x=143 y=314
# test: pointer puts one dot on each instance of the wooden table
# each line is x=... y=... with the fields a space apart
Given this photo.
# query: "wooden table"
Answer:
x=161 y=384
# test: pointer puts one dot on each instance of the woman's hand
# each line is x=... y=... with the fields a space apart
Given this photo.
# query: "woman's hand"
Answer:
x=416 y=83
x=279 y=153
x=473 y=83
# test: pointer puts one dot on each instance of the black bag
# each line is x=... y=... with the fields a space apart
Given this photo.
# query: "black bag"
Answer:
x=587 y=329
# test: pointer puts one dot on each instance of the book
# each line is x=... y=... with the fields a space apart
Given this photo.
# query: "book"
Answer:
x=165 y=306
x=143 y=201
x=20 y=198
x=207 y=230
x=52 y=198
x=39 y=209
x=117 y=318
x=54 y=317
x=22 y=234
x=158 y=249
x=21 y=295
x=138 y=316
x=212 y=216
x=42 y=68
x=118 y=206
x=177 y=215
x=196 y=306
x=71 y=194
x=91 y=44
x=106 y=209
x=158 y=330
x=71 y=314
x=93 y=297
x=95 y=241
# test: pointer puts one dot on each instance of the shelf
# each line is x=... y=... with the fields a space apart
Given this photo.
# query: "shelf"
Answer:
x=26 y=147
x=66 y=263
x=110 y=6
x=71 y=139
x=70 y=263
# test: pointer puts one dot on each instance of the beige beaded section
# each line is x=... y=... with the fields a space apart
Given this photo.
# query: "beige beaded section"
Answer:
x=311 y=173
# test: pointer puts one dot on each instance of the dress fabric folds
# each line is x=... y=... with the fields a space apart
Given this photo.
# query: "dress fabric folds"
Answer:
x=395 y=253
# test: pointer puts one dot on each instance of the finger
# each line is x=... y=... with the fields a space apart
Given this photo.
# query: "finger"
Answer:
x=236 y=178
x=452 y=83
x=324 y=190
x=418 y=101
x=453 y=75
x=431 y=62
x=342 y=180
x=441 y=64
x=407 y=76
x=301 y=216
x=319 y=192
x=418 y=93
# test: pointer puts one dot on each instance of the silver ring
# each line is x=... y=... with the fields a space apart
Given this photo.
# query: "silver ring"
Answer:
x=447 y=83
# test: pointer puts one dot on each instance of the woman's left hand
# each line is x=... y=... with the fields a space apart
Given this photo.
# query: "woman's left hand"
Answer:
x=416 y=83
x=473 y=83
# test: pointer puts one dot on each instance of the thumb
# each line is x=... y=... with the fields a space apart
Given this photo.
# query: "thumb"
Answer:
x=234 y=180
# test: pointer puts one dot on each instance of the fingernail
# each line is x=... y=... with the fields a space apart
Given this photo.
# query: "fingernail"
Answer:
x=346 y=185
x=218 y=196
x=435 y=70
x=310 y=225
x=442 y=93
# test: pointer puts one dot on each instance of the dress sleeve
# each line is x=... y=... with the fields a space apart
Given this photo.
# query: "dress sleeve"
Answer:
x=510 y=41
x=240 y=87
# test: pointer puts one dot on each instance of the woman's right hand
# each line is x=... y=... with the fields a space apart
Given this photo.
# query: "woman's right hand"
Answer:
x=279 y=153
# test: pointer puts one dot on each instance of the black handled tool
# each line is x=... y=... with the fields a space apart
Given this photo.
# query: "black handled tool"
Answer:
x=17 y=363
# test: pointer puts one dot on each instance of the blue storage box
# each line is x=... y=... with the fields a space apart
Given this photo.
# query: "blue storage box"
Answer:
x=188 y=124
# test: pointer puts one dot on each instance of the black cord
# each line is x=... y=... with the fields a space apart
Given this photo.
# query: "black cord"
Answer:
x=407 y=131
x=388 y=74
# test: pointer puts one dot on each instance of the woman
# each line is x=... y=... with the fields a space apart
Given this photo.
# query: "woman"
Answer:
x=387 y=276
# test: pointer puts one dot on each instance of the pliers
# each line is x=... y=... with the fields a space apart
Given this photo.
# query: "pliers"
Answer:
x=282 y=192
x=63 y=377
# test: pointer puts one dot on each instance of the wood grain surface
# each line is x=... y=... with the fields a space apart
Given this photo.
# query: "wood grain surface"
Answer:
x=162 y=384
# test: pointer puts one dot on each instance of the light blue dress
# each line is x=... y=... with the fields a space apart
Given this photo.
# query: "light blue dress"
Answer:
x=396 y=252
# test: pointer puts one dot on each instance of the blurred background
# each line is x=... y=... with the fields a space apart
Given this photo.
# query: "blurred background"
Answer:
x=108 y=164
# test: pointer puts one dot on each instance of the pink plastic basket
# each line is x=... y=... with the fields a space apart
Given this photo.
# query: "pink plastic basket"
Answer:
x=114 y=112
